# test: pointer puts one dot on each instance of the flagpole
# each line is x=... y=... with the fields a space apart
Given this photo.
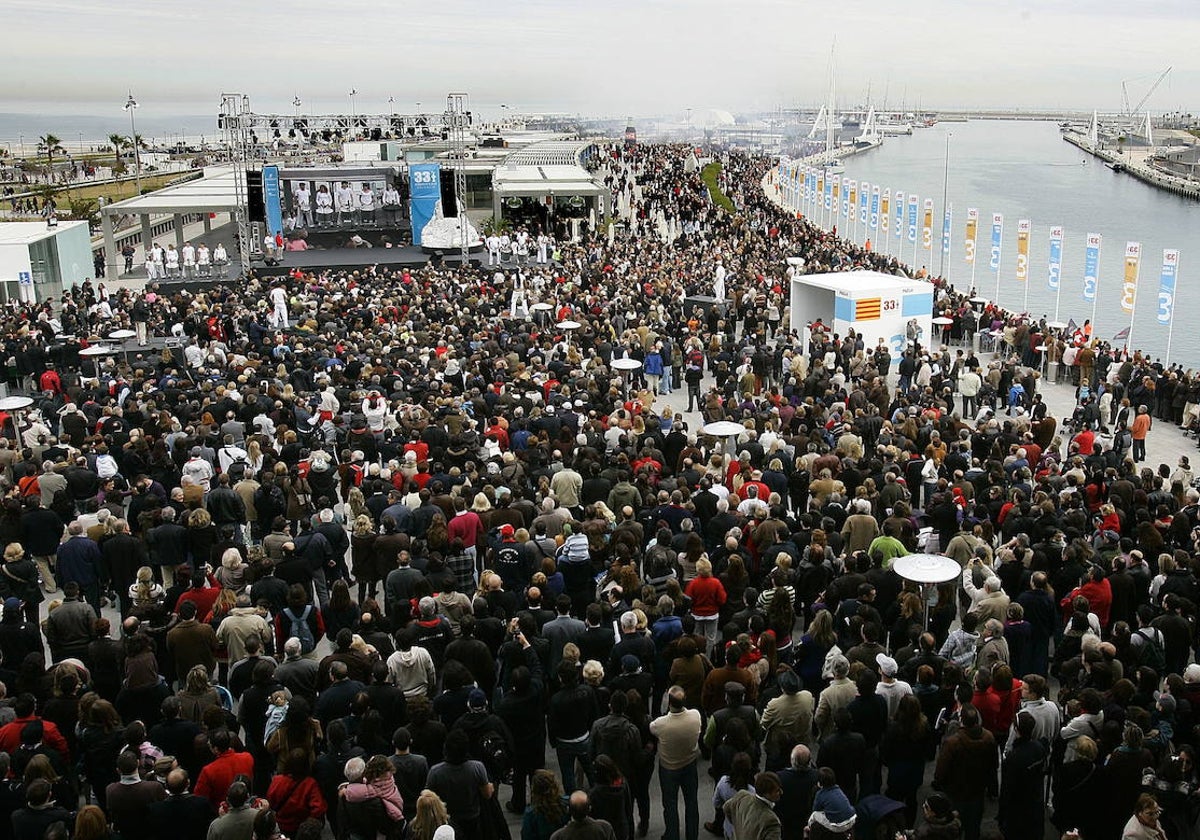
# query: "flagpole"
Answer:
x=1174 y=306
x=1096 y=296
x=1028 y=249
x=1062 y=249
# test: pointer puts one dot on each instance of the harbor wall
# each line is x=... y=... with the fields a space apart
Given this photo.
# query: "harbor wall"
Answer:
x=1146 y=174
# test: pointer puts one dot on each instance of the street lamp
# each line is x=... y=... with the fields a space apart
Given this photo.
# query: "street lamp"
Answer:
x=353 y=93
x=296 y=104
x=131 y=105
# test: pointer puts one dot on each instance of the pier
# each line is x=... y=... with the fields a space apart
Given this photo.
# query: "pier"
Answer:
x=1138 y=168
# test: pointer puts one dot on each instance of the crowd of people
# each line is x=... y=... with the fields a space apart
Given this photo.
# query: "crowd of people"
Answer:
x=364 y=552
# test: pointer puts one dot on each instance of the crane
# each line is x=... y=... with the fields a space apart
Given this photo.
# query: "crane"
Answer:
x=1129 y=112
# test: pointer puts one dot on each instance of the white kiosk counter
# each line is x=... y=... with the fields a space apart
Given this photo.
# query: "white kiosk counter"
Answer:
x=872 y=303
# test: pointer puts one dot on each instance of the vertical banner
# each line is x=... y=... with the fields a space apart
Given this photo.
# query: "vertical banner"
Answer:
x=849 y=197
x=913 y=204
x=899 y=218
x=424 y=193
x=947 y=224
x=837 y=193
x=972 y=234
x=864 y=197
x=1024 y=226
x=927 y=226
x=1091 y=266
x=828 y=189
x=1054 y=271
x=997 y=240
x=874 y=216
x=1166 y=286
x=272 y=200
x=1133 y=259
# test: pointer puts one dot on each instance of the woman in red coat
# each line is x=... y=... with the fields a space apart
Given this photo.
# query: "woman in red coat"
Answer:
x=294 y=794
x=708 y=596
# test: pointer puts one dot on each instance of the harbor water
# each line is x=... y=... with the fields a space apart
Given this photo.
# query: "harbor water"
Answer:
x=1025 y=170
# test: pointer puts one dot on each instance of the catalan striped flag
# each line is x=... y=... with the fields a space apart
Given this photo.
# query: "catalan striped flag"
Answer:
x=868 y=309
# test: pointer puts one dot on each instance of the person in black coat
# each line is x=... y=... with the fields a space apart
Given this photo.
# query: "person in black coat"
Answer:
x=1022 y=783
x=612 y=798
x=181 y=815
x=31 y=822
x=845 y=753
x=521 y=707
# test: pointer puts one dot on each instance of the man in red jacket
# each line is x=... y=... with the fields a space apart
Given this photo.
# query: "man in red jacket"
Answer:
x=1098 y=592
x=10 y=733
x=218 y=775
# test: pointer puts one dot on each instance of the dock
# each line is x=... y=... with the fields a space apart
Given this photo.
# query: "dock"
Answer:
x=1137 y=168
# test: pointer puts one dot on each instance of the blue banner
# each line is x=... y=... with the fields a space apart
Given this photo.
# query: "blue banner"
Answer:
x=912 y=218
x=272 y=199
x=997 y=239
x=1054 y=275
x=1166 y=286
x=947 y=220
x=828 y=191
x=875 y=209
x=899 y=215
x=1091 y=266
x=424 y=180
x=863 y=199
x=847 y=188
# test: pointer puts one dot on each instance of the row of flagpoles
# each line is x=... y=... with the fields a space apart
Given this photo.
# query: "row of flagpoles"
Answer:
x=876 y=212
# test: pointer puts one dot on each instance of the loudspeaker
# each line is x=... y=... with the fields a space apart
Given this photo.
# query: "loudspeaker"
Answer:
x=255 y=202
x=449 y=200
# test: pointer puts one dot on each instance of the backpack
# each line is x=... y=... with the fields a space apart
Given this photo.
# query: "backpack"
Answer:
x=1150 y=652
x=300 y=629
x=493 y=751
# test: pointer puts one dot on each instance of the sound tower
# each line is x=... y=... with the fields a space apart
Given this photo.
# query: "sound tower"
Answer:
x=449 y=200
x=256 y=205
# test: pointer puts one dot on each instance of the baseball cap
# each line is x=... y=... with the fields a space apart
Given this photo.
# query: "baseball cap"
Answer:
x=477 y=699
x=629 y=662
x=12 y=604
x=887 y=665
x=506 y=530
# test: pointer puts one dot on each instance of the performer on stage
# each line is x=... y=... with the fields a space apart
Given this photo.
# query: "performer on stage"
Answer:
x=279 y=312
x=324 y=206
x=391 y=205
x=719 y=282
x=366 y=205
x=303 y=206
x=344 y=201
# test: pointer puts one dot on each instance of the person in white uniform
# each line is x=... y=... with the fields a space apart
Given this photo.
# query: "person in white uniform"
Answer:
x=324 y=206
x=189 y=260
x=279 y=311
x=543 y=249
x=519 y=303
x=391 y=205
x=366 y=206
x=151 y=267
x=719 y=282
x=493 y=248
x=221 y=260
x=159 y=260
x=521 y=247
x=344 y=201
x=172 y=260
x=303 y=206
x=204 y=260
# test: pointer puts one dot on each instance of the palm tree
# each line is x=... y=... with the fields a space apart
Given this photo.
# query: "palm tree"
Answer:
x=118 y=142
x=49 y=144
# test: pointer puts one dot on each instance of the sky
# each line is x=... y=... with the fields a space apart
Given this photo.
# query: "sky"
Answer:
x=611 y=58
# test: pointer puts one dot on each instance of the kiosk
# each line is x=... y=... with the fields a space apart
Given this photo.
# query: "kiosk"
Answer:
x=872 y=303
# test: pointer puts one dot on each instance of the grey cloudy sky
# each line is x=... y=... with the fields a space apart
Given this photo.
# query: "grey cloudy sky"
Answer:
x=607 y=57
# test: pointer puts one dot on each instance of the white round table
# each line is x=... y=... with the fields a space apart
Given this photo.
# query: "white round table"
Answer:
x=726 y=430
x=568 y=326
x=943 y=321
x=94 y=353
x=15 y=405
x=928 y=570
x=1056 y=325
x=979 y=300
x=541 y=307
x=626 y=366
x=122 y=336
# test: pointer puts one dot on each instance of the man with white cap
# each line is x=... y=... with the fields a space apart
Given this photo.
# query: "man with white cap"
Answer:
x=889 y=687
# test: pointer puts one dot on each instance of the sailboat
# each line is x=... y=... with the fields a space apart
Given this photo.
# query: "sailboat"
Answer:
x=832 y=164
x=870 y=136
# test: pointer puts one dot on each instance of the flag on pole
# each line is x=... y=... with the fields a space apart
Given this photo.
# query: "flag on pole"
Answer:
x=1072 y=327
x=1133 y=258
x=1166 y=286
x=828 y=189
x=1091 y=266
x=913 y=204
x=927 y=225
x=1122 y=335
x=849 y=197
x=972 y=234
x=885 y=201
x=1054 y=277
x=997 y=240
x=947 y=223
x=899 y=216
x=1024 y=226
x=874 y=216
